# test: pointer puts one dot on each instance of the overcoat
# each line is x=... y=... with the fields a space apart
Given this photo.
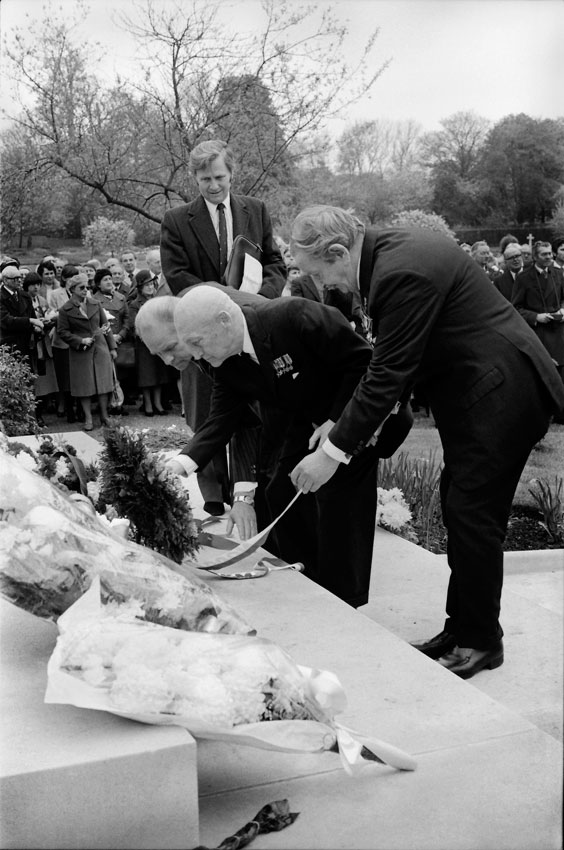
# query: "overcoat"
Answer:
x=16 y=310
x=151 y=369
x=91 y=369
x=538 y=294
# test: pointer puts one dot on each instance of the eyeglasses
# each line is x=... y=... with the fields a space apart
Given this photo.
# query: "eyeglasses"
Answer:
x=15 y=277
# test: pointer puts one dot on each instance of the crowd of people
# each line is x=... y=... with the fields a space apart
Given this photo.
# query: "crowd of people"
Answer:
x=75 y=324
x=300 y=379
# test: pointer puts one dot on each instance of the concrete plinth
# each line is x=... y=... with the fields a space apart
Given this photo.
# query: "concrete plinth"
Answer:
x=72 y=778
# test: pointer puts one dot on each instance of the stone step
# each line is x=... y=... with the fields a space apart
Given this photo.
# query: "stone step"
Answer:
x=407 y=595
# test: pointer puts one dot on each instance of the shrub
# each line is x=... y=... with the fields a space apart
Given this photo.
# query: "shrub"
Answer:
x=103 y=234
x=419 y=218
x=17 y=399
x=551 y=504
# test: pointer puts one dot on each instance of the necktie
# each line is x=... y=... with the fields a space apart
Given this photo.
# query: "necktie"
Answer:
x=222 y=239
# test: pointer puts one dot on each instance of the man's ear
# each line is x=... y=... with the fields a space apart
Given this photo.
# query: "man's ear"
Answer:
x=337 y=252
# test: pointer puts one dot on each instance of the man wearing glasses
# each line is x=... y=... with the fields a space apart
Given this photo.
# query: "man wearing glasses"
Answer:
x=17 y=316
x=513 y=265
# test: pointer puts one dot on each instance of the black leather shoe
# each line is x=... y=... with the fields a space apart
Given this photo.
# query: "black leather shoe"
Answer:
x=437 y=646
x=214 y=508
x=466 y=662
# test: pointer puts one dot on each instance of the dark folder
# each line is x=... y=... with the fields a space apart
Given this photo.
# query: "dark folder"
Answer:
x=236 y=264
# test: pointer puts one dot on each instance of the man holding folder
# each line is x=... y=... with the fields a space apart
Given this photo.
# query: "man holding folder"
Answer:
x=196 y=241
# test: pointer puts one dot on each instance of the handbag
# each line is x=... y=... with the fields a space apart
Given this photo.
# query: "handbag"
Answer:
x=236 y=265
x=125 y=355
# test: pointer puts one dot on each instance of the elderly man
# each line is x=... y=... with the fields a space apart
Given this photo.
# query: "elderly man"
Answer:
x=490 y=384
x=18 y=322
x=196 y=240
x=304 y=358
x=513 y=265
x=482 y=255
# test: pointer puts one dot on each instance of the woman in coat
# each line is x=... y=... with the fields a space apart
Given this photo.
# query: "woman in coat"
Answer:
x=152 y=373
x=117 y=309
x=82 y=324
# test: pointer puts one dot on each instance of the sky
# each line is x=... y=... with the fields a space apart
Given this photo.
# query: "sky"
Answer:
x=494 y=57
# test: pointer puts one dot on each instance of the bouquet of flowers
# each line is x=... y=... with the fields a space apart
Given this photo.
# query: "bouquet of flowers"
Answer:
x=227 y=687
x=51 y=548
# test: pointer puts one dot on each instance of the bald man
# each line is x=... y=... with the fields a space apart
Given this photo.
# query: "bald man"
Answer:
x=303 y=358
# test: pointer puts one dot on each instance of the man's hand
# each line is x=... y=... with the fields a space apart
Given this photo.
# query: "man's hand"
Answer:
x=313 y=471
x=113 y=353
x=320 y=434
x=244 y=517
x=544 y=318
x=173 y=466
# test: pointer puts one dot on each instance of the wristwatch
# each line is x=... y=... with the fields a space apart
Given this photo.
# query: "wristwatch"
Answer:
x=244 y=497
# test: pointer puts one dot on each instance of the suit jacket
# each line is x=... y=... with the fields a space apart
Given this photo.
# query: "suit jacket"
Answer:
x=439 y=321
x=16 y=310
x=190 y=249
x=536 y=294
x=506 y=284
x=310 y=360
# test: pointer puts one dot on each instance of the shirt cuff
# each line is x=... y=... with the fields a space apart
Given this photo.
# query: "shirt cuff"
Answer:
x=186 y=463
x=244 y=487
x=335 y=453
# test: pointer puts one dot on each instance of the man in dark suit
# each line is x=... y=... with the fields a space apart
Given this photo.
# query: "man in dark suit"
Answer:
x=539 y=298
x=513 y=266
x=196 y=240
x=18 y=321
x=491 y=387
x=303 y=358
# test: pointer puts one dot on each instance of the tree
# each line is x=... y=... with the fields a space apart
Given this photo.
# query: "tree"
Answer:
x=456 y=148
x=523 y=166
x=130 y=142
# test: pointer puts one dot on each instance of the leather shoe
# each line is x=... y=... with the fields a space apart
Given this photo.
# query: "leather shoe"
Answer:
x=214 y=508
x=437 y=646
x=465 y=662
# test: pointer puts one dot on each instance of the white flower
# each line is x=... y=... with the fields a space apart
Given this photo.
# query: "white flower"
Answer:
x=392 y=511
x=61 y=469
x=93 y=489
x=27 y=461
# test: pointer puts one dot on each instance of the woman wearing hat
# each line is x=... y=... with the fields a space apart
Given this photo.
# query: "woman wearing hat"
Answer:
x=152 y=373
x=82 y=325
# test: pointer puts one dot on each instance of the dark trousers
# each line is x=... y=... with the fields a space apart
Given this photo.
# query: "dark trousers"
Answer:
x=331 y=531
x=476 y=521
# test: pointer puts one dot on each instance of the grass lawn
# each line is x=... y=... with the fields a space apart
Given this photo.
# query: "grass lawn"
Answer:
x=545 y=461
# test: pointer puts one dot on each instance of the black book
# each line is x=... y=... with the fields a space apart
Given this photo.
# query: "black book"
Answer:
x=236 y=265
